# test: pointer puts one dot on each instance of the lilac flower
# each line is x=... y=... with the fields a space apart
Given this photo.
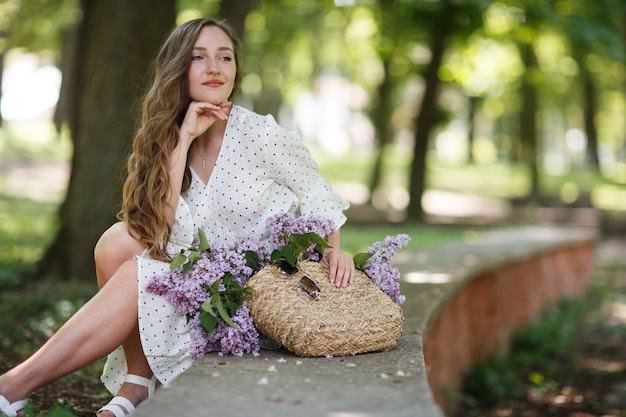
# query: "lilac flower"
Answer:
x=225 y=339
x=187 y=291
x=379 y=267
x=284 y=224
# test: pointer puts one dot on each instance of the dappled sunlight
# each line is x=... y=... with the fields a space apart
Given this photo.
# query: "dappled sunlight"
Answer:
x=46 y=182
x=353 y=192
x=448 y=203
x=426 y=277
x=604 y=365
x=33 y=161
x=30 y=88
x=617 y=311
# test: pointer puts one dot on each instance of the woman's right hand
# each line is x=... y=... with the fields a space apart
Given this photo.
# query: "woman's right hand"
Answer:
x=199 y=117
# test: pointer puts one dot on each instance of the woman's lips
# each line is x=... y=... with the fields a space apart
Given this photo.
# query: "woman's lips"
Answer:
x=213 y=83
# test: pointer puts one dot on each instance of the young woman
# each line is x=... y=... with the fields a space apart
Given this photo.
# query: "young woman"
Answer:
x=197 y=162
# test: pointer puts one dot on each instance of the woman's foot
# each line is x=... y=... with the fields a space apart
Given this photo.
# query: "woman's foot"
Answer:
x=11 y=409
x=135 y=390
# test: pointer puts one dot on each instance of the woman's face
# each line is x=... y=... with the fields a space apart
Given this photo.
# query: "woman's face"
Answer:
x=213 y=68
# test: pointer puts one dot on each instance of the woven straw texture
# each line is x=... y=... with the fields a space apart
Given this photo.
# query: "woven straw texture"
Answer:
x=343 y=321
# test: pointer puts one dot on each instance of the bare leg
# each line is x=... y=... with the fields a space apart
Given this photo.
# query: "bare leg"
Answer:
x=115 y=247
x=94 y=331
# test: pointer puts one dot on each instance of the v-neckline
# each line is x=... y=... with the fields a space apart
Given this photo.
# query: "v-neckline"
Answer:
x=219 y=155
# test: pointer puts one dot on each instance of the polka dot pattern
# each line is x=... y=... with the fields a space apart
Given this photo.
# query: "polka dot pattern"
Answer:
x=261 y=170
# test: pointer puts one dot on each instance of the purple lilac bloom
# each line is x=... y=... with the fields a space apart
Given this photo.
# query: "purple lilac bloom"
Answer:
x=186 y=293
x=380 y=269
x=284 y=224
x=225 y=339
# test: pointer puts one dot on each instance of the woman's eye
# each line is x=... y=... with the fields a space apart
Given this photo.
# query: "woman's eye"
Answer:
x=196 y=58
x=226 y=58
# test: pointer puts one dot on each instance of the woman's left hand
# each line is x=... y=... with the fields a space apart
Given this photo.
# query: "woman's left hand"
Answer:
x=341 y=268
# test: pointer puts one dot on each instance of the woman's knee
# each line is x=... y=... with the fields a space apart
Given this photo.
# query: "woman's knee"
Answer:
x=115 y=246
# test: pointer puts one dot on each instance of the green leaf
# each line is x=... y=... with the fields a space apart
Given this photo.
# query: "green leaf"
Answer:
x=207 y=321
x=360 y=259
x=217 y=303
x=179 y=260
x=248 y=290
x=287 y=254
x=193 y=257
x=290 y=254
x=207 y=307
x=214 y=288
x=318 y=240
x=204 y=242
x=252 y=259
x=229 y=281
x=301 y=242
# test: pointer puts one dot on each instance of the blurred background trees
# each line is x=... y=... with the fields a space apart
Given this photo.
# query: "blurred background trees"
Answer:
x=407 y=104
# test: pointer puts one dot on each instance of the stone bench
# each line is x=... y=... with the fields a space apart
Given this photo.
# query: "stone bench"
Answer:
x=464 y=300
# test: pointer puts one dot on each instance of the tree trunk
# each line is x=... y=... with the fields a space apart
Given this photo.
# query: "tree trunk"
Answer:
x=380 y=118
x=528 y=124
x=2 y=56
x=71 y=62
x=236 y=11
x=117 y=42
x=471 y=131
x=427 y=118
x=381 y=114
x=590 y=107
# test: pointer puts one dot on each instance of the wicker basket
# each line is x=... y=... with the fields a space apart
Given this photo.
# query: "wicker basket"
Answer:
x=343 y=321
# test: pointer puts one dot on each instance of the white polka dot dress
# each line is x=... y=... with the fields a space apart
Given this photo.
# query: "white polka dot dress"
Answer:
x=261 y=170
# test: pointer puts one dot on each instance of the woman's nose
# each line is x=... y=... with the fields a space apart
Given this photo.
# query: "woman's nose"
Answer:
x=212 y=67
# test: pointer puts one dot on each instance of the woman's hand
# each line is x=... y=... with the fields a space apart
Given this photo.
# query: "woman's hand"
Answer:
x=200 y=116
x=341 y=267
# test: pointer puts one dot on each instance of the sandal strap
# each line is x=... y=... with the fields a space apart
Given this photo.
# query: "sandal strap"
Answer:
x=144 y=382
x=115 y=406
x=11 y=409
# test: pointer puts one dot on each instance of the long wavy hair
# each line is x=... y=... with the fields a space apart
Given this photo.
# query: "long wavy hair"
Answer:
x=147 y=185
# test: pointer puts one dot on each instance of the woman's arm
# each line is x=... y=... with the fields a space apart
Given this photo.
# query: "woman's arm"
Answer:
x=199 y=118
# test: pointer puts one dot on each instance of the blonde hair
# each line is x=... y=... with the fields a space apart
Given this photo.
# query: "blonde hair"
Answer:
x=146 y=189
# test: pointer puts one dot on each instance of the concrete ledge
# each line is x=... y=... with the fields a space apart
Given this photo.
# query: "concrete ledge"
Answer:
x=463 y=302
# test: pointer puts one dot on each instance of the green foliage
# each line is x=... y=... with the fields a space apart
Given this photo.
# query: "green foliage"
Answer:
x=57 y=410
x=223 y=302
x=360 y=259
x=42 y=24
x=547 y=338
x=287 y=257
x=226 y=302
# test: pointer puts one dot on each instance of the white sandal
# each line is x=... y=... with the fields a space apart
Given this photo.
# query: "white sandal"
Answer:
x=11 y=409
x=118 y=404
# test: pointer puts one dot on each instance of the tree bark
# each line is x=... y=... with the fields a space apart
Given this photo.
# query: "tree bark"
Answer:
x=471 y=131
x=528 y=124
x=381 y=114
x=380 y=117
x=66 y=108
x=590 y=107
x=427 y=118
x=117 y=42
x=236 y=11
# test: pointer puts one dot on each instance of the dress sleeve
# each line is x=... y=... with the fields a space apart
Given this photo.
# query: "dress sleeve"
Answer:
x=292 y=166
